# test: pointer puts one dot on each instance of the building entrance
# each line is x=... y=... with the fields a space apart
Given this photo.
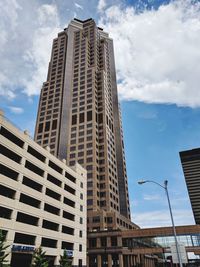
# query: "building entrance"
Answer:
x=21 y=259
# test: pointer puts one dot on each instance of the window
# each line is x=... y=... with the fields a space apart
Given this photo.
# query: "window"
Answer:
x=50 y=225
x=28 y=219
x=24 y=239
x=51 y=209
x=50 y=243
x=103 y=241
x=96 y=219
x=69 y=202
x=36 y=154
x=68 y=215
x=54 y=125
x=8 y=172
x=89 y=193
x=29 y=201
x=47 y=126
x=7 y=192
x=80 y=233
x=34 y=168
x=17 y=141
x=70 y=189
x=74 y=119
x=80 y=247
x=67 y=245
x=54 y=180
x=70 y=177
x=113 y=241
x=53 y=194
x=92 y=242
x=90 y=184
x=55 y=167
x=32 y=184
x=67 y=230
x=81 y=154
x=5 y=213
x=81 y=117
x=80 y=263
x=10 y=154
x=89 y=115
x=89 y=202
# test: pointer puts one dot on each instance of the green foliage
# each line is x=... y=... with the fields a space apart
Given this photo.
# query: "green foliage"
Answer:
x=39 y=259
x=64 y=260
x=3 y=247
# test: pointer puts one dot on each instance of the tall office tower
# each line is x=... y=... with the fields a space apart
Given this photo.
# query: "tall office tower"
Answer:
x=79 y=119
x=190 y=160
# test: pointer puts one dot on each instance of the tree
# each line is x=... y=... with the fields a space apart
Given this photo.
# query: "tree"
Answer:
x=64 y=260
x=39 y=259
x=3 y=247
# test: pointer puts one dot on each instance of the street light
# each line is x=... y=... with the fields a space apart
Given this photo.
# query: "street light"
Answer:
x=170 y=210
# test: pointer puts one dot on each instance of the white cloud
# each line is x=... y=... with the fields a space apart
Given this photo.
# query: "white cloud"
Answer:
x=157 y=52
x=38 y=55
x=152 y=197
x=78 y=6
x=101 y=5
x=25 y=48
x=16 y=110
x=161 y=218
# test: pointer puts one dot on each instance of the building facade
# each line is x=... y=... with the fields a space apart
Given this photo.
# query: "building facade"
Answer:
x=79 y=119
x=42 y=200
x=148 y=247
x=190 y=161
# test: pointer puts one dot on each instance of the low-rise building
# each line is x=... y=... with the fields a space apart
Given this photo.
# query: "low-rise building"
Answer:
x=42 y=200
x=147 y=247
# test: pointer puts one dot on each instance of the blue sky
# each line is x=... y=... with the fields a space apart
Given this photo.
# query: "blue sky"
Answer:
x=157 y=61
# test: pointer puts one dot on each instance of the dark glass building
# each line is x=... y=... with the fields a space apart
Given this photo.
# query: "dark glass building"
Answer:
x=190 y=160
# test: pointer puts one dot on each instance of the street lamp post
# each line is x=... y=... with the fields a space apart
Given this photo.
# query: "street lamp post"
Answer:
x=171 y=215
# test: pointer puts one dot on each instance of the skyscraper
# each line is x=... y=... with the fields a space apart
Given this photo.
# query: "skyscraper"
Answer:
x=190 y=160
x=79 y=119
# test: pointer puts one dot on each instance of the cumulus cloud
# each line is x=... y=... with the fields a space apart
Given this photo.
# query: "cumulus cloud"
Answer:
x=38 y=55
x=25 y=48
x=157 y=52
x=16 y=110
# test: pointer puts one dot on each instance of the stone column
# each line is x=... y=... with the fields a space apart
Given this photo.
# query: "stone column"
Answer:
x=109 y=260
x=121 y=263
x=99 y=262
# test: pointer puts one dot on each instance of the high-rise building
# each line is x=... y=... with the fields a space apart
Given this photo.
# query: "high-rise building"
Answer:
x=79 y=119
x=190 y=160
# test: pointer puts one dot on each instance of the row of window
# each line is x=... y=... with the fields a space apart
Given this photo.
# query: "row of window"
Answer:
x=32 y=167
x=32 y=220
x=103 y=242
x=31 y=201
x=17 y=141
x=45 y=242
